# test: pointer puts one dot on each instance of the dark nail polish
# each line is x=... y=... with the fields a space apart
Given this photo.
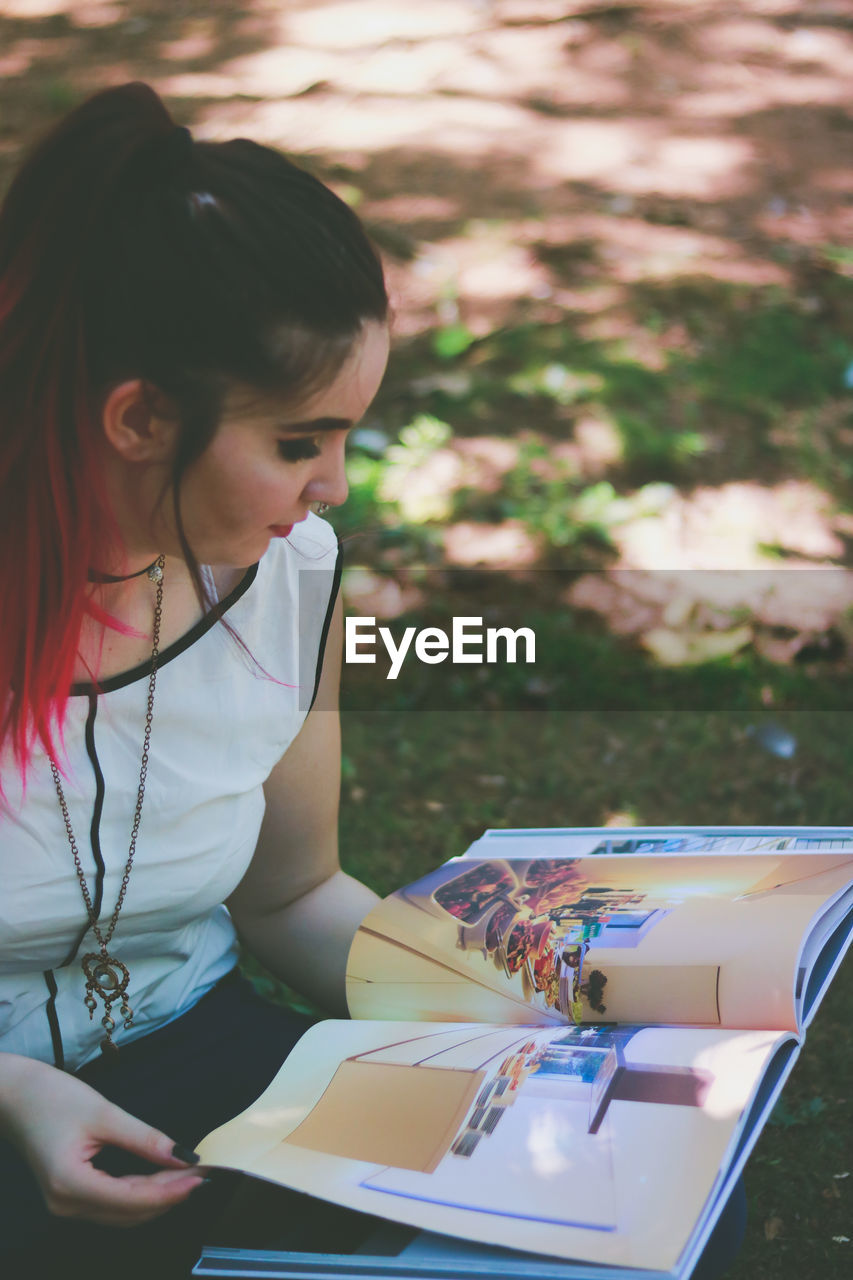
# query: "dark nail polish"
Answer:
x=184 y=1153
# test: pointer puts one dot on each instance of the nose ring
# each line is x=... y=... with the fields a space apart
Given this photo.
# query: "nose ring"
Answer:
x=321 y=508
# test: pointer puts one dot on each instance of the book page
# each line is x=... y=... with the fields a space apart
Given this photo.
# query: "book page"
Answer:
x=564 y=1141
x=697 y=940
x=574 y=842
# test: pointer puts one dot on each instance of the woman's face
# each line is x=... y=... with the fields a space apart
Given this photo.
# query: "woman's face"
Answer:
x=268 y=464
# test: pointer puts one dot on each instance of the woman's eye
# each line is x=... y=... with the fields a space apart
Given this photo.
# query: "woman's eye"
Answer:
x=298 y=449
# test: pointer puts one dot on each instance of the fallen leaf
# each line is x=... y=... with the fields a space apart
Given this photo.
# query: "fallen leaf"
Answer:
x=773 y=1228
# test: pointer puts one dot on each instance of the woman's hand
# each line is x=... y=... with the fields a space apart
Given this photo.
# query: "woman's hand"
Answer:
x=59 y=1124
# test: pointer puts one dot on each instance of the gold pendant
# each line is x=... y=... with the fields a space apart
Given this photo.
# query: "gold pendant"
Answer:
x=107 y=980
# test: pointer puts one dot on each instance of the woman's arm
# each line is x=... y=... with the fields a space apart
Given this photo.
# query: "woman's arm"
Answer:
x=294 y=908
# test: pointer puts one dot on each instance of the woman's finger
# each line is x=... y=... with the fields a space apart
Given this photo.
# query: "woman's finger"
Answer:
x=120 y=1129
x=123 y=1201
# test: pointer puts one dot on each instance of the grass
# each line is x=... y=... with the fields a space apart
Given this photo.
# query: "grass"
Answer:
x=421 y=785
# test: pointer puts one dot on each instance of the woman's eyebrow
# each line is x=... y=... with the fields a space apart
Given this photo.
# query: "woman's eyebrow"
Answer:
x=312 y=425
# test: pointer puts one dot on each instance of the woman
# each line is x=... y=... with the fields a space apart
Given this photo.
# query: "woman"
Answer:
x=188 y=330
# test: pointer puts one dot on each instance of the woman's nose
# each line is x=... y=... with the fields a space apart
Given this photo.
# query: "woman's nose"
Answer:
x=329 y=482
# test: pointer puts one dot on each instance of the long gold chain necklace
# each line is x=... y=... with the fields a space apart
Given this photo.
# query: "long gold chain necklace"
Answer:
x=107 y=977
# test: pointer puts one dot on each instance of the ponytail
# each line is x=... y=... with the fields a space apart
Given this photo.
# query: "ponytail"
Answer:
x=129 y=251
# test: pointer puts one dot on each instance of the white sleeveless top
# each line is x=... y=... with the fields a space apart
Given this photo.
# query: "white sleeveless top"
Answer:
x=219 y=727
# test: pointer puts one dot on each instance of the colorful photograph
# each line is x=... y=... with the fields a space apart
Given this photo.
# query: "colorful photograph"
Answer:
x=658 y=939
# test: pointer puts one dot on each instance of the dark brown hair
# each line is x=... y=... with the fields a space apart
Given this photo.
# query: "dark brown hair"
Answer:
x=129 y=251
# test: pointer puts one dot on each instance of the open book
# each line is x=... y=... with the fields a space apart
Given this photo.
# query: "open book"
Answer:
x=564 y=1042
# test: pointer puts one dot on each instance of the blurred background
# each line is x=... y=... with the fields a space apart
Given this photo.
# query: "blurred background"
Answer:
x=618 y=410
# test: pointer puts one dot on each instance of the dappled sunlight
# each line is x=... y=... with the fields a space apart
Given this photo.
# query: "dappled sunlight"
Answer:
x=814 y=47
x=647 y=157
x=492 y=269
x=276 y=73
x=350 y=24
x=737 y=526
x=486 y=461
x=797 y=224
x=631 y=249
x=416 y=207
x=836 y=179
x=635 y=601
x=326 y=122
x=508 y=545
x=617 y=239
x=373 y=595
x=46 y=8
x=701 y=579
x=637 y=104
x=596 y=445
x=424 y=492
x=687 y=618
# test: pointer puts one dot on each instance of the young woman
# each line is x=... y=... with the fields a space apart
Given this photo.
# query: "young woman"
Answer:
x=188 y=330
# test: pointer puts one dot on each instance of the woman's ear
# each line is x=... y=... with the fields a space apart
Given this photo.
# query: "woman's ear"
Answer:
x=138 y=423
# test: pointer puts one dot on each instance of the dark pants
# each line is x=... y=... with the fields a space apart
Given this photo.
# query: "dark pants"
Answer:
x=187 y=1079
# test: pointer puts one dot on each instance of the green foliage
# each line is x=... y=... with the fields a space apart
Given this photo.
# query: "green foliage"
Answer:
x=350 y=194
x=548 y=498
x=839 y=256
x=365 y=508
x=418 y=442
x=717 y=404
x=548 y=501
x=773 y=358
x=452 y=341
x=557 y=382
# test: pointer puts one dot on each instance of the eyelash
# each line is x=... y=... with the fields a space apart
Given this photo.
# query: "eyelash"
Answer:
x=298 y=449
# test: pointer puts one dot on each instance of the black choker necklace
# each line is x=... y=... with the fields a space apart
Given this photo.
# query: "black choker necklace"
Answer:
x=153 y=570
